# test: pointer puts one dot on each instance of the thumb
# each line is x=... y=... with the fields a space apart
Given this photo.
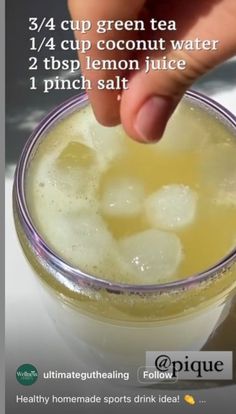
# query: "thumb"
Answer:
x=150 y=101
x=152 y=97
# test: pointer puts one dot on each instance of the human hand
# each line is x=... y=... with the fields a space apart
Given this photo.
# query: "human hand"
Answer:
x=145 y=107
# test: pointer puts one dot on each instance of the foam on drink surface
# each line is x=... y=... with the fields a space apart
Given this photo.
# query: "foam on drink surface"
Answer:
x=219 y=173
x=134 y=213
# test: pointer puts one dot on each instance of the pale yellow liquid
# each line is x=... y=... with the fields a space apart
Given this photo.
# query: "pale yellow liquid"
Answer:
x=55 y=194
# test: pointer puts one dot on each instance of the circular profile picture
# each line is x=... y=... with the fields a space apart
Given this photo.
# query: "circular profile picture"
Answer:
x=26 y=374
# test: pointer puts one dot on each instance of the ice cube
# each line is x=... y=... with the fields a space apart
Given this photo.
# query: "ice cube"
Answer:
x=92 y=241
x=108 y=142
x=75 y=170
x=184 y=132
x=122 y=196
x=153 y=256
x=172 y=207
x=78 y=126
x=218 y=172
x=82 y=239
x=58 y=192
x=76 y=155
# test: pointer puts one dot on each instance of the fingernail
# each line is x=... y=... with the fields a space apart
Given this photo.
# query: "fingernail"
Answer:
x=152 y=118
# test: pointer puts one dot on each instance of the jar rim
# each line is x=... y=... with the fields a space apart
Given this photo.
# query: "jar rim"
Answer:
x=71 y=276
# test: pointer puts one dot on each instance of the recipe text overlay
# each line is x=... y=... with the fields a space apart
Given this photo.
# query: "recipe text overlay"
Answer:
x=120 y=47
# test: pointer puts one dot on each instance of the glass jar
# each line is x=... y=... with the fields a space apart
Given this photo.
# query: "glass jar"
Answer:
x=112 y=325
